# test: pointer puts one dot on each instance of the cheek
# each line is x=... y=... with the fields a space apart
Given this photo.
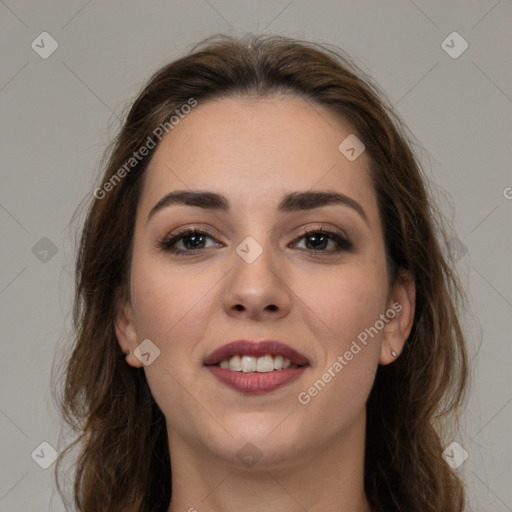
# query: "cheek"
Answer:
x=344 y=306
x=345 y=299
x=342 y=302
x=166 y=299
x=172 y=308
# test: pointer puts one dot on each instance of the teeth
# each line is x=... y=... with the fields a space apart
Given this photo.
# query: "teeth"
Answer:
x=249 y=364
x=235 y=364
x=262 y=364
x=265 y=364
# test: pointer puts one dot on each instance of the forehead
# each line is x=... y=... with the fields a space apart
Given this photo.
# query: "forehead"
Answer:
x=254 y=150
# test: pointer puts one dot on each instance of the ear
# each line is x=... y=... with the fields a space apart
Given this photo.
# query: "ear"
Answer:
x=125 y=331
x=400 y=312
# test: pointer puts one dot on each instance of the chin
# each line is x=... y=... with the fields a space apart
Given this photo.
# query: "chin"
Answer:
x=259 y=441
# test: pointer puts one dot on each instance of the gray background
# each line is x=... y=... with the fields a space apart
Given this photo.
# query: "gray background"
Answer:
x=57 y=115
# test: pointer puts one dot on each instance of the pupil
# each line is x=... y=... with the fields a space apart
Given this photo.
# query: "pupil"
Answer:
x=316 y=237
x=317 y=240
x=193 y=237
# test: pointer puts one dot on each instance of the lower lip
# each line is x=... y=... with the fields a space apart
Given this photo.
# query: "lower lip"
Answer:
x=256 y=383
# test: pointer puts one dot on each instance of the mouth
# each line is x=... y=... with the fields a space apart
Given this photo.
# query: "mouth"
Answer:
x=256 y=367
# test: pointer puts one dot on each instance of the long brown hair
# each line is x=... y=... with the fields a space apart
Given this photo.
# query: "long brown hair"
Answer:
x=123 y=460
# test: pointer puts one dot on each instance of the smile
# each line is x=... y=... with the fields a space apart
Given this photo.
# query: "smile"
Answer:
x=256 y=367
x=263 y=364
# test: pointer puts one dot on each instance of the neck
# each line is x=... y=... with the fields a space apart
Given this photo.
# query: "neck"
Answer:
x=331 y=480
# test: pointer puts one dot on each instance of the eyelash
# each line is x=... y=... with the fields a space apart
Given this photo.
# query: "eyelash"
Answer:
x=166 y=244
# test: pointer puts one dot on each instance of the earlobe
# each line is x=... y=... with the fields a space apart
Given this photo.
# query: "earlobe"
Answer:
x=126 y=333
x=400 y=313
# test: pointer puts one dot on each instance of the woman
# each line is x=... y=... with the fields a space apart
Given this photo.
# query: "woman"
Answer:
x=264 y=318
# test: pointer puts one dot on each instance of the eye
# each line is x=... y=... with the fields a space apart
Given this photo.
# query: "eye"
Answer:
x=193 y=241
x=193 y=238
x=317 y=240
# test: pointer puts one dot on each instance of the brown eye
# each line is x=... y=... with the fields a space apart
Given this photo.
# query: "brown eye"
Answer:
x=192 y=240
x=318 y=240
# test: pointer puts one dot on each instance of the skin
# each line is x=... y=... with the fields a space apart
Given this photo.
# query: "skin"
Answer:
x=254 y=151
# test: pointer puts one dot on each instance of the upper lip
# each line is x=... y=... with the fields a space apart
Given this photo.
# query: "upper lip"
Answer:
x=256 y=349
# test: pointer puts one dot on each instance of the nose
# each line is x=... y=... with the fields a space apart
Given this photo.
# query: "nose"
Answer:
x=257 y=290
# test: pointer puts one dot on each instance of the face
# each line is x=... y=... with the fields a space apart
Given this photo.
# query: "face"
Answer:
x=311 y=276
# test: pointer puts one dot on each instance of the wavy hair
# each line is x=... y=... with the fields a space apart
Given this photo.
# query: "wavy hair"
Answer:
x=122 y=461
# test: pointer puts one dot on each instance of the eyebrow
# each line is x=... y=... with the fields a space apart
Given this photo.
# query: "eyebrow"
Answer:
x=291 y=202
